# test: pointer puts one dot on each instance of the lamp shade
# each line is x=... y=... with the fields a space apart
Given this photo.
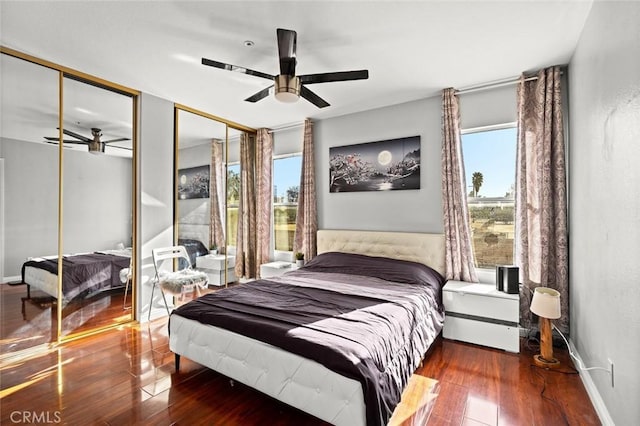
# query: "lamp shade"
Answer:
x=546 y=303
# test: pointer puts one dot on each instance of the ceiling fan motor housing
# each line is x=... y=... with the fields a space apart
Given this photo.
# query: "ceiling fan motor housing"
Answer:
x=287 y=88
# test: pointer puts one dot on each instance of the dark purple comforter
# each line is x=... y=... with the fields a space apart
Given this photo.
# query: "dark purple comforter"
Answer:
x=84 y=273
x=368 y=318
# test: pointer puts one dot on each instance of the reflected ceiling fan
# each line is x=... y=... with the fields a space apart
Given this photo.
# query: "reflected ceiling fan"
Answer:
x=289 y=86
x=95 y=145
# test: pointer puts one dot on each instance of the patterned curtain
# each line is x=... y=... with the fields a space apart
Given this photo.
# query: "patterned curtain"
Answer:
x=541 y=205
x=217 y=185
x=307 y=218
x=246 y=239
x=264 y=198
x=459 y=261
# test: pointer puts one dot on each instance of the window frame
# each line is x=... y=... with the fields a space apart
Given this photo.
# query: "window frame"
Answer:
x=281 y=255
x=487 y=275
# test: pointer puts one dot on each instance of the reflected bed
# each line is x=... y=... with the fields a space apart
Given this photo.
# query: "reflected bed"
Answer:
x=82 y=274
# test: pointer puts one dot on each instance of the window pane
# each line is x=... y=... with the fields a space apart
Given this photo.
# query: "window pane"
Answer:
x=286 y=180
x=489 y=159
x=233 y=198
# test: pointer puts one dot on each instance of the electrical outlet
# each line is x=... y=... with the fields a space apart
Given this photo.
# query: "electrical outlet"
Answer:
x=611 y=371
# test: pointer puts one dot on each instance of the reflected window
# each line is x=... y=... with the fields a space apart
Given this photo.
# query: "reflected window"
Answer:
x=233 y=200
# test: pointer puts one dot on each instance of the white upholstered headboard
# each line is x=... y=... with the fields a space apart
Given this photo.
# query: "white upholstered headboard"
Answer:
x=422 y=248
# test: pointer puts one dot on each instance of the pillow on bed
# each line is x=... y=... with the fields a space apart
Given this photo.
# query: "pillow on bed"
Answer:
x=401 y=271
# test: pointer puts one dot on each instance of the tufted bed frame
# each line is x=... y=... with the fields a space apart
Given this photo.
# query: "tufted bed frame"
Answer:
x=290 y=378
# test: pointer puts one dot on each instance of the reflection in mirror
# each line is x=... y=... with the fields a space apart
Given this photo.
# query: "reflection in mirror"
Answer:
x=234 y=188
x=28 y=203
x=98 y=211
x=200 y=214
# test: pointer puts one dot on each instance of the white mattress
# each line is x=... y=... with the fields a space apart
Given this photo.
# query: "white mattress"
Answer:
x=47 y=281
x=290 y=378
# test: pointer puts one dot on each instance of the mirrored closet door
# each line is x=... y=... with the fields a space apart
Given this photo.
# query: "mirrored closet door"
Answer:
x=98 y=206
x=29 y=203
x=68 y=162
x=208 y=192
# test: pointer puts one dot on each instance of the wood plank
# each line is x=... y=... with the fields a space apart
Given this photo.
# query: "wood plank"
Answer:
x=127 y=376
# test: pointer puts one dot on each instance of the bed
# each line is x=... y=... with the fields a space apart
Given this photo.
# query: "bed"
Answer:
x=308 y=355
x=83 y=275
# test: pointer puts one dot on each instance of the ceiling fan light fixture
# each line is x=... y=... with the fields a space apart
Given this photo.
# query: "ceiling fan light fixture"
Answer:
x=287 y=88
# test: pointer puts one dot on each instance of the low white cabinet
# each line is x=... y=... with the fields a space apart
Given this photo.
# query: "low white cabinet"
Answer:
x=274 y=269
x=480 y=314
x=213 y=266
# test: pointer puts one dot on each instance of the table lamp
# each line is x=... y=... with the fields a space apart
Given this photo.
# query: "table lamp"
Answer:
x=546 y=304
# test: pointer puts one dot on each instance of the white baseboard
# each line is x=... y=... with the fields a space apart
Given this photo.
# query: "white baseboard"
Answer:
x=592 y=391
x=11 y=279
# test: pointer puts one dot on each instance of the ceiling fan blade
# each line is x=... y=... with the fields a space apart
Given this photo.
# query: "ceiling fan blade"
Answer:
x=117 y=140
x=235 y=68
x=260 y=95
x=55 y=143
x=121 y=147
x=287 y=40
x=55 y=140
x=76 y=135
x=334 y=76
x=313 y=98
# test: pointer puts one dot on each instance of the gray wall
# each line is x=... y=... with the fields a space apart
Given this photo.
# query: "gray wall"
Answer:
x=604 y=77
x=409 y=210
x=193 y=215
x=155 y=219
x=97 y=201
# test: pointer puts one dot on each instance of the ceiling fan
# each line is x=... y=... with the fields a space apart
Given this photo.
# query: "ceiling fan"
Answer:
x=289 y=86
x=95 y=145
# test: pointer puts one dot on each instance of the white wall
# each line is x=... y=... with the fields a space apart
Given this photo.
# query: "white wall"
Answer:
x=97 y=201
x=604 y=77
x=155 y=219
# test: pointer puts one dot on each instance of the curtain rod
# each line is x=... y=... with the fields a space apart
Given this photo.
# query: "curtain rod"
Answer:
x=492 y=85
x=500 y=83
x=286 y=127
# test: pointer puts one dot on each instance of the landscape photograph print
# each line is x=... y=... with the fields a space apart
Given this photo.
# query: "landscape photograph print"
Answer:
x=392 y=164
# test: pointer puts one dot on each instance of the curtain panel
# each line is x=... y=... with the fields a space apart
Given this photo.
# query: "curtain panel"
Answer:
x=541 y=204
x=264 y=198
x=459 y=259
x=307 y=217
x=217 y=194
x=246 y=238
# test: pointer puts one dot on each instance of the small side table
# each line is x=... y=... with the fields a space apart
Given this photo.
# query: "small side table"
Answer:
x=480 y=314
x=213 y=266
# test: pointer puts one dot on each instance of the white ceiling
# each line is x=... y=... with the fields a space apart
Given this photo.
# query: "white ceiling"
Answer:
x=411 y=49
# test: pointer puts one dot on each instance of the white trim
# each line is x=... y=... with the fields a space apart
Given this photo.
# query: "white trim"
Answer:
x=509 y=125
x=592 y=391
x=6 y=280
x=288 y=155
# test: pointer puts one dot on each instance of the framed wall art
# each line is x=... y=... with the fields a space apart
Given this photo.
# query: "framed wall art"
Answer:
x=193 y=182
x=392 y=164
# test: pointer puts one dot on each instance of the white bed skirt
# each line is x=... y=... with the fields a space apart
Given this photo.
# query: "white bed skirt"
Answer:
x=292 y=379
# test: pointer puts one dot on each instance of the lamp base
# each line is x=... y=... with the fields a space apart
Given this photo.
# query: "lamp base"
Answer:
x=545 y=363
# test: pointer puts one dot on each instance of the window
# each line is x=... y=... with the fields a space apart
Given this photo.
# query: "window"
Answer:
x=233 y=198
x=286 y=186
x=490 y=164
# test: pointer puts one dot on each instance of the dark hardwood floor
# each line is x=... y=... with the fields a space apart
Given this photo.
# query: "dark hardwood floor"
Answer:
x=127 y=376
